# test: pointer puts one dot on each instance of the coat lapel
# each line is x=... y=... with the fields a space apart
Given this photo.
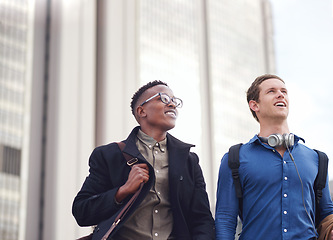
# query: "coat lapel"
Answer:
x=178 y=156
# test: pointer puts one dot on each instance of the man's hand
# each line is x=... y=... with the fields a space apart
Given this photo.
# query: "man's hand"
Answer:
x=138 y=174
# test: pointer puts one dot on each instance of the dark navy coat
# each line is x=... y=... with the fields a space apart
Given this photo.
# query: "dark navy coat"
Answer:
x=94 y=204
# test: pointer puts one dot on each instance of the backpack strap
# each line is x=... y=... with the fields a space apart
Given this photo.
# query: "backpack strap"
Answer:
x=320 y=181
x=233 y=163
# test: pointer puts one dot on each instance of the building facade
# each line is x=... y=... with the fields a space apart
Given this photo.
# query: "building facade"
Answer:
x=68 y=71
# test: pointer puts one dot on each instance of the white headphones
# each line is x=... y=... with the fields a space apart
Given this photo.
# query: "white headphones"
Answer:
x=276 y=140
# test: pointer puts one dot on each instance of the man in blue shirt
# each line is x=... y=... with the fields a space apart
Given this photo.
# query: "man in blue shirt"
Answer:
x=277 y=182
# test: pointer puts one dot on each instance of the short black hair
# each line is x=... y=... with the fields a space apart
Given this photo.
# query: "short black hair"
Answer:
x=141 y=90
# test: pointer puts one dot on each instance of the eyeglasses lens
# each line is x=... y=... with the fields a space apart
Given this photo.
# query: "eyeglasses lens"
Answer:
x=166 y=99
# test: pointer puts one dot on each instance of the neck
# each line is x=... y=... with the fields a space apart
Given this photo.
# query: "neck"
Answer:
x=158 y=135
x=267 y=129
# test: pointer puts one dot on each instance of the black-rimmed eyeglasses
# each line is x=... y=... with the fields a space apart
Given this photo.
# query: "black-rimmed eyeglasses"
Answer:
x=166 y=99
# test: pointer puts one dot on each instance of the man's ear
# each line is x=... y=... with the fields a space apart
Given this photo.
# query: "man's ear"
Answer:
x=140 y=112
x=254 y=106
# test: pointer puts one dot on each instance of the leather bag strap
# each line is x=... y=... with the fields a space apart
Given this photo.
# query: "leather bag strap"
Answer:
x=130 y=161
x=122 y=213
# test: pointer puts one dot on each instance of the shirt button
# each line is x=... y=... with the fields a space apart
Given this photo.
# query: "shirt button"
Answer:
x=156 y=211
x=285 y=195
x=157 y=171
x=285 y=178
x=156 y=144
x=156 y=234
x=285 y=212
x=285 y=230
x=284 y=162
x=149 y=146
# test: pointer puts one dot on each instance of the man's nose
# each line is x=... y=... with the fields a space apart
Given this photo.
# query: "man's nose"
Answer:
x=172 y=104
x=280 y=94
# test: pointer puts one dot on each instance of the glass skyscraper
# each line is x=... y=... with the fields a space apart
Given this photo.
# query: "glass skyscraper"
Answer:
x=68 y=70
x=14 y=69
x=209 y=52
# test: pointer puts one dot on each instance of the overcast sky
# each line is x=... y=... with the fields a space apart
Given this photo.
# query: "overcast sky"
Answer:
x=304 y=53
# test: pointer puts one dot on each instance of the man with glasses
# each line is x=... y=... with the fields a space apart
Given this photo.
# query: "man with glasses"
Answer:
x=173 y=203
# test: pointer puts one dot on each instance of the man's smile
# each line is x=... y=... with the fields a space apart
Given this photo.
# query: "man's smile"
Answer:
x=280 y=104
x=172 y=113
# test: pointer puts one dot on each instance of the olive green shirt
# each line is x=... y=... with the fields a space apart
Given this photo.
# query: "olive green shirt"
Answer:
x=153 y=218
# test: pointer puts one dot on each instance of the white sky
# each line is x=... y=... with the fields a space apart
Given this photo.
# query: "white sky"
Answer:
x=303 y=32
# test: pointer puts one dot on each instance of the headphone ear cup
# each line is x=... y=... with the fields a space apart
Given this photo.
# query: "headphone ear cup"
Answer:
x=289 y=139
x=275 y=140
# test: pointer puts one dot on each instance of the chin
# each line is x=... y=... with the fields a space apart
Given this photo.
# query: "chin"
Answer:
x=171 y=126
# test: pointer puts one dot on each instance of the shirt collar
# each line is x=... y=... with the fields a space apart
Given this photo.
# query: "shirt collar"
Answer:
x=150 y=142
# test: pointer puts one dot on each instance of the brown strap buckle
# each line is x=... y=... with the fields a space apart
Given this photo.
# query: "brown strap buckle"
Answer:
x=132 y=161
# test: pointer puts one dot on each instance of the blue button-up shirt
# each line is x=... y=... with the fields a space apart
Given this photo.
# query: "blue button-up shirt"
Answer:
x=273 y=206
